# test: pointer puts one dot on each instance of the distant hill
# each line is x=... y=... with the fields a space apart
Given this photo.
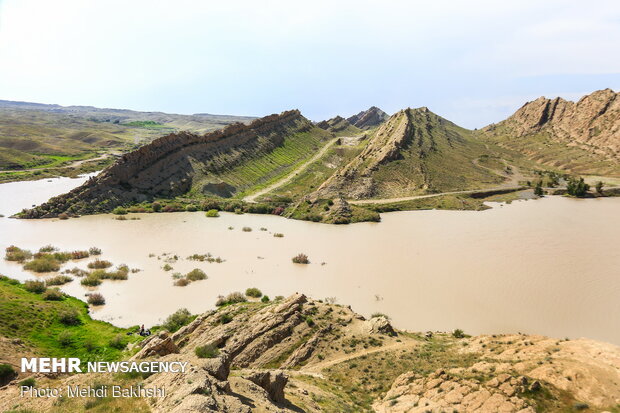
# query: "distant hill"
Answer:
x=32 y=132
x=581 y=137
x=369 y=118
x=339 y=126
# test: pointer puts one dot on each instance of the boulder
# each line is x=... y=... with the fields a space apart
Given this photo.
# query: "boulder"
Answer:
x=273 y=382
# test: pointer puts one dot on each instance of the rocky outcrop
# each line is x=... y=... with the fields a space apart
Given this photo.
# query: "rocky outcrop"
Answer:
x=441 y=391
x=336 y=125
x=157 y=345
x=593 y=122
x=366 y=119
x=379 y=325
x=273 y=382
x=168 y=166
x=303 y=352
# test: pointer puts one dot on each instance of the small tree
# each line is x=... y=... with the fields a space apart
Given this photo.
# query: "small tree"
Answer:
x=538 y=191
x=577 y=188
x=599 y=187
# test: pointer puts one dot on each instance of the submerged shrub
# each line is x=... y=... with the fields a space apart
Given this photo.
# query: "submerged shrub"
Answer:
x=91 y=280
x=196 y=274
x=212 y=213
x=119 y=211
x=96 y=299
x=178 y=319
x=53 y=294
x=35 y=286
x=181 y=282
x=14 y=253
x=207 y=352
x=301 y=259
x=278 y=235
x=94 y=251
x=99 y=264
x=43 y=264
x=58 y=280
x=48 y=248
x=246 y=229
x=253 y=292
x=78 y=255
x=231 y=298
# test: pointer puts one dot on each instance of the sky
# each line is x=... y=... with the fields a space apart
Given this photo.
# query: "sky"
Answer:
x=474 y=62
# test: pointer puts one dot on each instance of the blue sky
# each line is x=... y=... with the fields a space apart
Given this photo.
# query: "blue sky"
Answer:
x=473 y=62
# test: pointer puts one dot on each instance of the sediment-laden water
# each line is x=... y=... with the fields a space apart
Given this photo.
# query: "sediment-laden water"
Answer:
x=550 y=266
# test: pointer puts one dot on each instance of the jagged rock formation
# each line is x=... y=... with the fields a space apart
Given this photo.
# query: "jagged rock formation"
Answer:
x=173 y=164
x=339 y=126
x=409 y=154
x=571 y=135
x=369 y=118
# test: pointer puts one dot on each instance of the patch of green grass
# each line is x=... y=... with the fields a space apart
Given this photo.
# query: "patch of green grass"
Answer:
x=39 y=323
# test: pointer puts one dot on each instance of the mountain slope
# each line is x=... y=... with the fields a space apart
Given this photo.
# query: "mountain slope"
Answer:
x=415 y=151
x=221 y=163
x=34 y=129
x=369 y=118
x=581 y=137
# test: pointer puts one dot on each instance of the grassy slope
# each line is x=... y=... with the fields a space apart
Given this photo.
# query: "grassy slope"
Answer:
x=27 y=316
x=265 y=168
x=550 y=153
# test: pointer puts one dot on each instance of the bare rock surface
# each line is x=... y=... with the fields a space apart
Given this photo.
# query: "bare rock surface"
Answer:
x=157 y=345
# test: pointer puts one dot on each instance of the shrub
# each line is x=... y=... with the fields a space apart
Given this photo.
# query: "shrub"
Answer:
x=7 y=373
x=191 y=208
x=14 y=253
x=96 y=299
x=58 y=280
x=98 y=264
x=29 y=382
x=53 y=294
x=196 y=274
x=458 y=333
x=177 y=320
x=156 y=206
x=43 y=264
x=91 y=281
x=278 y=235
x=225 y=318
x=253 y=292
x=265 y=299
x=599 y=187
x=207 y=352
x=65 y=338
x=78 y=255
x=231 y=298
x=69 y=317
x=117 y=342
x=63 y=215
x=301 y=259
x=78 y=272
x=246 y=229
x=212 y=213
x=35 y=286
x=181 y=282
x=167 y=267
x=577 y=188
x=377 y=315
x=48 y=248
x=94 y=251
x=119 y=211
x=309 y=321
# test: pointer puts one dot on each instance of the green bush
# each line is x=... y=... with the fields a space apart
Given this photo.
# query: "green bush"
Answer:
x=48 y=248
x=278 y=235
x=70 y=317
x=246 y=229
x=253 y=292
x=53 y=294
x=58 y=280
x=42 y=264
x=29 y=382
x=167 y=267
x=181 y=282
x=212 y=213
x=309 y=321
x=96 y=299
x=177 y=320
x=65 y=338
x=35 y=286
x=377 y=315
x=14 y=253
x=119 y=211
x=196 y=274
x=7 y=373
x=156 y=206
x=98 y=264
x=265 y=299
x=118 y=342
x=91 y=281
x=225 y=318
x=207 y=352
x=94 y=251
x=191 y=208
x=231 y=298
x=458 y=333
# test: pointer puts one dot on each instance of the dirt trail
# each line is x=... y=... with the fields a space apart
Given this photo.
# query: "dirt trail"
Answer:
x=289 y=177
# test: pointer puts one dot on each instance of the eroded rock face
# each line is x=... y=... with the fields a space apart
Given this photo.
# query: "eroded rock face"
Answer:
x=593 y=121
x=157 y=345
x=441 y=391
x=273 y=382
x=373 y=116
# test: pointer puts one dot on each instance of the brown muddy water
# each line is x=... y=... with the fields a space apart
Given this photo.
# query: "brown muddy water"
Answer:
x=549 y=266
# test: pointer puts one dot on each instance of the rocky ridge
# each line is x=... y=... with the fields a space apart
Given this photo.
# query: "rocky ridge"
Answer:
x=369 y=118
